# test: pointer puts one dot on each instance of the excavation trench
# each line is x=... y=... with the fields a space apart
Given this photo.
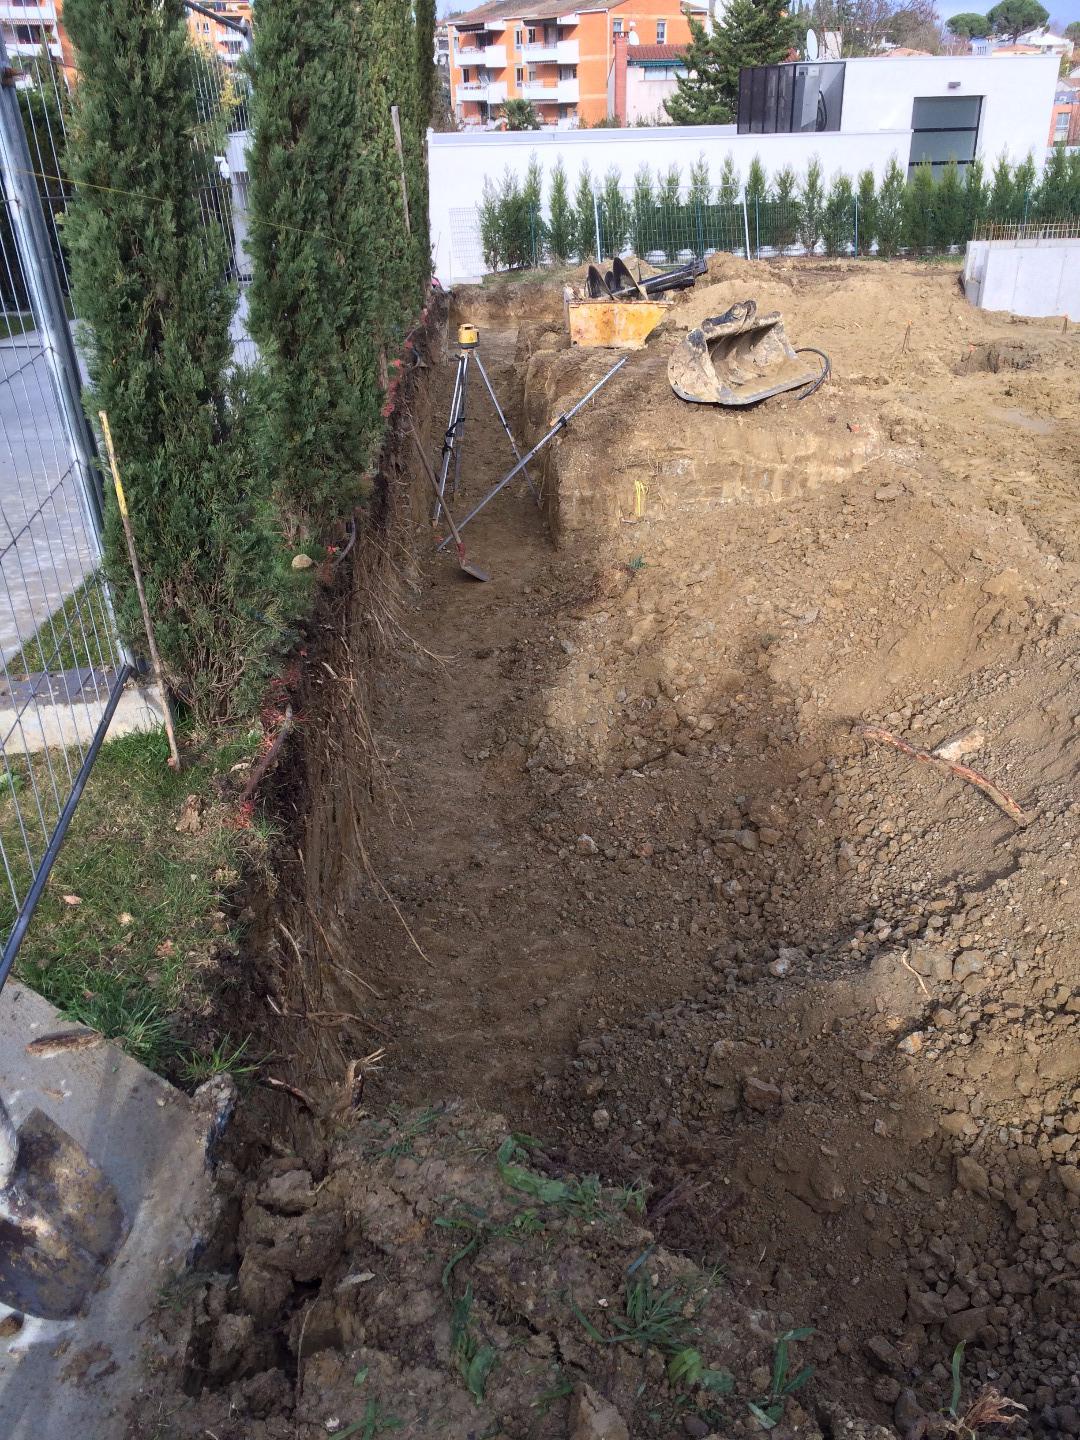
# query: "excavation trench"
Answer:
x=595 y=847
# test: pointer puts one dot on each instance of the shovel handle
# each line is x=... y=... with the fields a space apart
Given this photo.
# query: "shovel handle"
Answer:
x=435 y=486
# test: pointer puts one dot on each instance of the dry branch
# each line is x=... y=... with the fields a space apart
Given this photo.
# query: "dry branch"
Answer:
x=1001 y=798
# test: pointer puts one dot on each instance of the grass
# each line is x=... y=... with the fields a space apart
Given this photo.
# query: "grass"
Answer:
x=585 y=1199
x=768 y=1411
x=473 y=1360
x=68 y=639
x=130 y=933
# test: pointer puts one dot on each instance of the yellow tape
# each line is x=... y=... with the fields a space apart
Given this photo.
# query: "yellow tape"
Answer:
x=106 y=430
x=641 y=490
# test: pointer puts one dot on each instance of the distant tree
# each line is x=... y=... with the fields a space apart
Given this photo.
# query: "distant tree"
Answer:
x=811 y=207
x=864 y=26
x=1013 y=18
x=890 y=209
x=521 y=115
x=916 y=25
x=969 y=26
x=560 y=226
x=1072 y=32
x=584 y=218
x=867 y=211
x=751 y=32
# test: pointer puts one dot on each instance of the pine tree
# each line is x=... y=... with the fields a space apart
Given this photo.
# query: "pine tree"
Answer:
x=1002 y=203
x=642 y=213
x=838 y=216
x=866 y=197
x=309 y=241
x=148 y=280
x=890 y=209
x=751 y=32
x=560 y=230
x=811 y=207
x=584 y=218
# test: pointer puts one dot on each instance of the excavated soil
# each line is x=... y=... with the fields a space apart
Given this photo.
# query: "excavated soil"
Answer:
x=634 y=882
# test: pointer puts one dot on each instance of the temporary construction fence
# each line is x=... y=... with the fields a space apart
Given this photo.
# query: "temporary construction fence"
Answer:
x=63 y=668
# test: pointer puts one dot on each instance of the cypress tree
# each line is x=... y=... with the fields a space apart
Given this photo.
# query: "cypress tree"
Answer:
x=867 y=212
x=757 y=185
x=1002 y=201
x=584 y=218
x=838 y=216
x=1025 y=178
x=890 y=209
x=615 y=213
x=785 y=207
x=727 y=192
x=149 y=280
x=751 y=32
x=427 y=78
x=975 y=197
x=811 y=207
x=919 y=208
x=948 y=208
x=667 y=194
x=1052 y=195
x=309 y=312
x=560 y=230
x=700 y=191
x=642 y=213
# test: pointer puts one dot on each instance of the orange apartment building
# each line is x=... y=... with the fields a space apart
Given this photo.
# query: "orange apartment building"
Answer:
x=212 y=35
x=556 y=58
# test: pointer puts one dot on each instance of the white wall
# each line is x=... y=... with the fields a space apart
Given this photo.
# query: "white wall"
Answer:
x=459 y=164
x=1018 y=93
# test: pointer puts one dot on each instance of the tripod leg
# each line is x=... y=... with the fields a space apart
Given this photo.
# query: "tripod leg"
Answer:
x=460 y=435
x=449 y=440
x=506 y=427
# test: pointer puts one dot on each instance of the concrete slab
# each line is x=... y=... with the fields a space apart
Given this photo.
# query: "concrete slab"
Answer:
x=1030 y=275
x=51 y=711
x=60 y=1378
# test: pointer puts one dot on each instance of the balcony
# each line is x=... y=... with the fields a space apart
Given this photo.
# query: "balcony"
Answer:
x=551 y=92
x=492 y=92
x=538 y=53
x=482 y=57
x=494 y=57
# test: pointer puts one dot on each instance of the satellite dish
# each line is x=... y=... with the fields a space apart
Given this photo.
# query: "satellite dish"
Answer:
x=811 y=45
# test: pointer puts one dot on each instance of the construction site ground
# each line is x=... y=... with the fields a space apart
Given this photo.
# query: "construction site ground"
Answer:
x=635 y=889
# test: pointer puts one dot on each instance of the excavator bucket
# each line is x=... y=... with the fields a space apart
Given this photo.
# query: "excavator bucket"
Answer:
x=738 y=358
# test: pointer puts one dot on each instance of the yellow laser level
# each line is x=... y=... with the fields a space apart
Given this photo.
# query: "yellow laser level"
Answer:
x=468 y=337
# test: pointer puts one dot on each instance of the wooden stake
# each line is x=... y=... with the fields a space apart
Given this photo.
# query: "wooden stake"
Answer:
x=121 y=500
x=396 y=118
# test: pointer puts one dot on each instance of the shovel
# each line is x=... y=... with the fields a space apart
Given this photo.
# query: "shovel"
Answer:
x=473 y=571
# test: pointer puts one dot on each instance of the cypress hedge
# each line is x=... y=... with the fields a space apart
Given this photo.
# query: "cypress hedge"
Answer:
x=148 y=277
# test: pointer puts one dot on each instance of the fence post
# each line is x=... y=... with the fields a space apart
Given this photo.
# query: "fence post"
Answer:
x=856 y=213
x=757 y=227
x=700 y=228
x=746 y=226
x=596 y=221
x=46 y=296
x=532 y=236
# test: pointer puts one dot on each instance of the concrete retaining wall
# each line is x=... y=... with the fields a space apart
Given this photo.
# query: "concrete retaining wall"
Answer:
x=1025 y=277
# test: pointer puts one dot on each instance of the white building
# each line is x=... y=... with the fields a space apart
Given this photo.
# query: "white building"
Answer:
x=852 y=115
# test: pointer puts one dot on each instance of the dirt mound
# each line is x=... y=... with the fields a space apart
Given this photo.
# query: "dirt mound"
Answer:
x=447 y=1278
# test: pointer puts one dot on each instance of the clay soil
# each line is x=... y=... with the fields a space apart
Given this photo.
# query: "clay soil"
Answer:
x=645 y=891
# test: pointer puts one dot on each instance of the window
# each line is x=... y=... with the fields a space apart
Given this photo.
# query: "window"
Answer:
x=1061 y=126
x=567 y=72
x=466 y=76
x=519 y=76
x=661 y=32
x=944 y=128
x=616 y=26
x=519 y=36
x=530 y=35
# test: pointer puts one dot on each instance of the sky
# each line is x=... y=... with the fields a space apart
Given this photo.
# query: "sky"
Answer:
x=1064 y=11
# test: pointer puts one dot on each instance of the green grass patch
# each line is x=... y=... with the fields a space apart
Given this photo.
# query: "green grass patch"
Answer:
x=130 y=936
x=75 y=635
